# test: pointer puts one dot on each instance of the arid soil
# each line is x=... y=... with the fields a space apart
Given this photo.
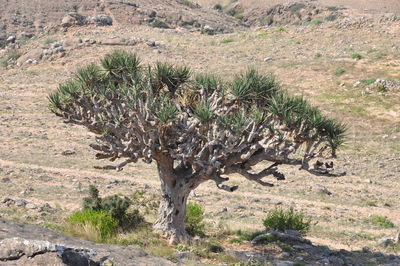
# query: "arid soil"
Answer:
x=43 y=160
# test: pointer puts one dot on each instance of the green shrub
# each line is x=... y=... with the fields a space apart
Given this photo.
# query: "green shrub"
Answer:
x=318 y=55
x=10 y=55
x=227 y=40
x=381 y=221
x=159 y=24
x=381 y=88
x=194 y=219
x=281 y=30
x=369 y=81
x=279 y=219
x=116 y=206
x=339 y=71
x=356 y=56
x=187 y=3
x=95 y=225
x=50 y=40
x=331 y=17
x=314 y=22
x=218 y=7
x=296 y=7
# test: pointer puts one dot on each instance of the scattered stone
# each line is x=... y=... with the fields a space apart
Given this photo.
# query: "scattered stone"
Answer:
x=31 y=206
x=5 y=180
x=282 y=236
x=68 y=152
x=356 y=84
x=276 y=202
x=34 y=54
x=323 y=190
x=268 y=59
x=11 y=39
x=208 y=30
x=386 y=242
x=283 y=263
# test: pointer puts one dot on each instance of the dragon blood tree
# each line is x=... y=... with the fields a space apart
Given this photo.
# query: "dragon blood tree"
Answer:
x=195 y=127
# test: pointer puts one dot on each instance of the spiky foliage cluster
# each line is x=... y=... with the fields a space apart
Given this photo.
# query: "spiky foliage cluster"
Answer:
x=166 y=113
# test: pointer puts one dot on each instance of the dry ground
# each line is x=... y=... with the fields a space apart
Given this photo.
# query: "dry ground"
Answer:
x=305 y=59
x=392 y=6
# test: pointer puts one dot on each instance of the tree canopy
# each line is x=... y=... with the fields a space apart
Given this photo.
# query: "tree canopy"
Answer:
x=197 y=125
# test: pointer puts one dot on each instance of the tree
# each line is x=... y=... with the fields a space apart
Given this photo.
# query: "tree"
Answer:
x=194 y=126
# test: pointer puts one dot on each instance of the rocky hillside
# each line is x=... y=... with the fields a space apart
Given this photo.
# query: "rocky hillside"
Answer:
x=41 y=15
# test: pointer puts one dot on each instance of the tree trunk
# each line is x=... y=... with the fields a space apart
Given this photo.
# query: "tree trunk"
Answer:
x=175 y=191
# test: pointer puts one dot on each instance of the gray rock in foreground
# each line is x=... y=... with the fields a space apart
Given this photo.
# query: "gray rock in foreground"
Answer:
x=33 y=245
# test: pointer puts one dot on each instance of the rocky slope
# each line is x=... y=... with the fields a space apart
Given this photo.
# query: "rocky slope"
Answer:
x=32 y=245
x=41 y=15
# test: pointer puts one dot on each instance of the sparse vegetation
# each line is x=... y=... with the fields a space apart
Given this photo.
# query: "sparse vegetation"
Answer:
x=10 y=55
x=159 y=24
x=229 y=40
x=49 y=40
x=381 y=221
x=194 y=219
x=296 y=7
x=280 y=219
x=340 y=71
x=356 y=56
x=114 y=205
x=95 y=225
x=314 y=22
x=218 y=7
x=367 y=82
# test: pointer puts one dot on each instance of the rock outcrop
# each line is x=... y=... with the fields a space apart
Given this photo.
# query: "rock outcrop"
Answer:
x=33 y=245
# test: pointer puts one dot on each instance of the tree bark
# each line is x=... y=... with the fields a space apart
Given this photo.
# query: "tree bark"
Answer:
x=175 y=191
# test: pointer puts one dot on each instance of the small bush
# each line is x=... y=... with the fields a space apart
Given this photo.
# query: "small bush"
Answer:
x=368 y=82
x=281 y=30
x=116 y=206
x=10 y=55
x=227 y=40
x=159 y=24
x=381 y=88
x=331 y=17
x=50 y=40
x=194 y=219
x=279 y=219
x=356 y=56
x=339 y=71
x=314 y=22
x=187 y=3
x=318 y=55
x=95 y=225
x=296 y=7
x=381 y=221
x=218 y=7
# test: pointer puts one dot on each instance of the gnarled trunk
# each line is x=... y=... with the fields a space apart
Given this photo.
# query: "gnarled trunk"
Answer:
x=172 y=211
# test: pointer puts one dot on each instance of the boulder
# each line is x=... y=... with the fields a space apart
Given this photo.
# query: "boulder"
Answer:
x=33 y=245
x=73 y=19
x=102 y=20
